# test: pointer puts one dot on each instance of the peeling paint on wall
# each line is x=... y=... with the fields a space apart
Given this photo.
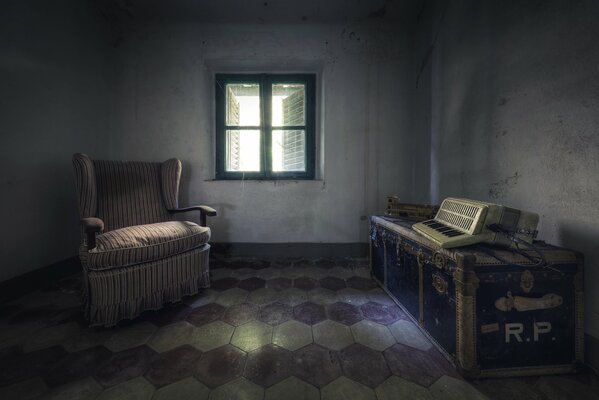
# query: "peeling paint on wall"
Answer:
x=499 y=189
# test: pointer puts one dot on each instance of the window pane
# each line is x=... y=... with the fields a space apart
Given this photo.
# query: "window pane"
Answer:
x=243 y=150
x=288 y=150
x=288 y=104
x=243 y=104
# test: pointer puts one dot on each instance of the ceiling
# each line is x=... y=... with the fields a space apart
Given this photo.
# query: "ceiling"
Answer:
x=267 y=11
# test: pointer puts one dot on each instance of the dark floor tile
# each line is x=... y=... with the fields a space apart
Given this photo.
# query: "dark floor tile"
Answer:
x=420 y=367
x=275 y=313
x=251 y=284
x=360 y=262
x=381 y=313
x=32 y=314
x=513 y=389
x=316 y=365
x=169 y=314
x=239 y=314
x=364 y=365
x=258 y=264
x=220 y=366
x=173 y=365
x=447 y=367
x=16 y=366
x=236 y=263
x=303 y=263
x=8 y=352
x=7 y=310
x=282 y=262
x=72 y=282
x=309 y=313
x=326 y=263
x=305 y=283
x=73 y=314
x=360 y=283
x=344 y=313
x=224 y=284
x=252 y=263
x=268 y=365
x=125 y=365
x=344 y=262
x=205 y=314
x=217 y=263
x=586 y=377
x=77 y=365
x=332 y=283
x=279 y=283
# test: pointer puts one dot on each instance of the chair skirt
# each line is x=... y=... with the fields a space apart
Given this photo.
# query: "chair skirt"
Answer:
x=116 y=294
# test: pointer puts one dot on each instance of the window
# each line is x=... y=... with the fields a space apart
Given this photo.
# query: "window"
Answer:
x=265 y=126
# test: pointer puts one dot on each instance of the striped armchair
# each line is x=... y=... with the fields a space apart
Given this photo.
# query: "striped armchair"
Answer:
x=135 y=257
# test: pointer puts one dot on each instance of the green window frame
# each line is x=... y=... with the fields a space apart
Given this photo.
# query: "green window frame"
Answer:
x=265 y=127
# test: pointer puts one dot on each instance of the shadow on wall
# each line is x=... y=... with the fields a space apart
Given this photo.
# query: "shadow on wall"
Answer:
x=222 y=223
x=580 y=238
x=463 y=107
x=585 y=239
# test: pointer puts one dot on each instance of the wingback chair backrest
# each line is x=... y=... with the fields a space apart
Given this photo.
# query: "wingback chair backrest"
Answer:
x=126 y=193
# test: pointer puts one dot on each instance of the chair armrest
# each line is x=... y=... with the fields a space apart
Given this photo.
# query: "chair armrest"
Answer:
x=204 y=211
x=91 y=226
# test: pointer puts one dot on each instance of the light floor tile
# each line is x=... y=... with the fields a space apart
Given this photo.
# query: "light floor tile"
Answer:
x=84 y=389
x=252 y=335
x=373 y=335
x=135 y=389
x=322 y=296
x=184 y=389
x=239 y=389
x=293 y=296
x=292 y=388
x=395 y=388
x=231 y=297
x=263 y=296
x=344 y=388
x=332 y=335
x=448 y=388
x=292 y=335
x=405 y=332
x=171 y=336
x=127 y=337
x=352 y=296
x=211 y=336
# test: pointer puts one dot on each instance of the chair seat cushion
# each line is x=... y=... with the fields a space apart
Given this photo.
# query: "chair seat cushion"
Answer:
x=144 y=243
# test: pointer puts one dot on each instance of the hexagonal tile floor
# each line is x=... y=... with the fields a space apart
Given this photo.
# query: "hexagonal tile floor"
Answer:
x=266 y=329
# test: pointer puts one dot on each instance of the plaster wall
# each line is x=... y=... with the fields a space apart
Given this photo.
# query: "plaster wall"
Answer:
x=53 y=102
x=163 y=79
x=513 y=100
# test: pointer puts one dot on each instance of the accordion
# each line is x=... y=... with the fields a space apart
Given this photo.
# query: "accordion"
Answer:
x=462 y=222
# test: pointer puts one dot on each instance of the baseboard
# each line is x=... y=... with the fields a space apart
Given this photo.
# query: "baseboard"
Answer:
x=591 y=355
x=38 y=279
x=290 y=250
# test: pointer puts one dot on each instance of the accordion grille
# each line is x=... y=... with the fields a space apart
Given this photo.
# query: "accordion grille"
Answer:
x=460 y=215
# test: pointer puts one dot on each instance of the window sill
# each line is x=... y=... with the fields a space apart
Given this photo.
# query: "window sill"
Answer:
x=266 y=180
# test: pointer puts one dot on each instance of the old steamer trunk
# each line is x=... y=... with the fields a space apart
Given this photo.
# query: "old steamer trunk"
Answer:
x=491 y=316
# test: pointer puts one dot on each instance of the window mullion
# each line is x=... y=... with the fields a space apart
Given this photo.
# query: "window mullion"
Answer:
x=267 y=124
